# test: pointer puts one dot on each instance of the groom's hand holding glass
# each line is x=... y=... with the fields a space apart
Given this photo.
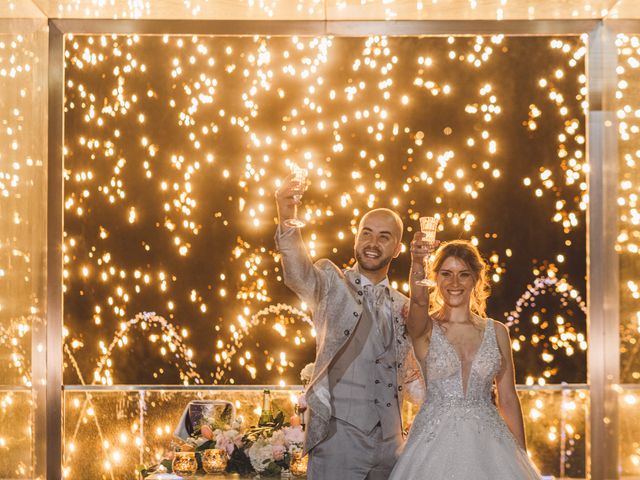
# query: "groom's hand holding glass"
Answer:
x=288 y=198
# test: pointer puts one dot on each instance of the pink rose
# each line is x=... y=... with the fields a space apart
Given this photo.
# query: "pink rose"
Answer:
x=294 y=421
x=206 y=432
x=222 y=441
x=293 y=435
x=278 y=452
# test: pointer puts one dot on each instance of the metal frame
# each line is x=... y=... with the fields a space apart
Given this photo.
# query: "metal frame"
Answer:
x=603 y=365
x=603 y=321
x=55 y=229
x=330 y=27
x=177 y=388
x=572 y=387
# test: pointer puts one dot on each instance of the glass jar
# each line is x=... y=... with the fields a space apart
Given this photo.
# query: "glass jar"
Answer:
x=214 y=460
x=185 y=463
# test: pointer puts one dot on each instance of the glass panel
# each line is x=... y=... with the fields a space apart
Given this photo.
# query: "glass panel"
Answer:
x=555 y=424
x=629 y=429
x=16 y=435
x=22 y=197
x=108 y=433
x=23 y=84
x=628 y=107
x=174 y=146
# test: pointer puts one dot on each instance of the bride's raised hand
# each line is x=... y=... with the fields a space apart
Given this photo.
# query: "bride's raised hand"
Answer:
x=420 y=250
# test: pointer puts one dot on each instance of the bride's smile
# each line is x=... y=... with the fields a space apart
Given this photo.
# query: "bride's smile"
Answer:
x=455 y=282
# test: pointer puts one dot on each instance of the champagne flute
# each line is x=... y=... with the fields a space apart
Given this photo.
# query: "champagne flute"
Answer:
x=428 y=227
x=300 y=178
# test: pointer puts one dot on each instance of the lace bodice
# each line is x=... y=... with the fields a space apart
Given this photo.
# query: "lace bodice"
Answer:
x=442 y=369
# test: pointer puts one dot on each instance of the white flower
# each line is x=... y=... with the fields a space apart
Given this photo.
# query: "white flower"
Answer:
x=294 y=436
x=307 y=373
x=237 y=423
x=261 y=455
x=278 y=438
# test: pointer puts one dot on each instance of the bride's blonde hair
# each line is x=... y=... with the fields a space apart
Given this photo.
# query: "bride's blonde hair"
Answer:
x=469 y=254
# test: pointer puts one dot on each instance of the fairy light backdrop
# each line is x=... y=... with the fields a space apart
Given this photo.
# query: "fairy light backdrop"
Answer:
x=174 y=146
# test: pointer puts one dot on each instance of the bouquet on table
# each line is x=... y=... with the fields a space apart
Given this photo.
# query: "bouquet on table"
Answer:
x=267 y=448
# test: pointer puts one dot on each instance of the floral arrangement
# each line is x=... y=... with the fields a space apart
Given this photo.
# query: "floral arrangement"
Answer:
x=270 y=447
x=265 y=449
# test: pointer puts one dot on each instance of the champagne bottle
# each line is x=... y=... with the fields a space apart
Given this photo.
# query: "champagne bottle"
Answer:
x=267 y=415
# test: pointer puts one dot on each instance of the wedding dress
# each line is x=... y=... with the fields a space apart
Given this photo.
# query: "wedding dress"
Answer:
x=458 y=433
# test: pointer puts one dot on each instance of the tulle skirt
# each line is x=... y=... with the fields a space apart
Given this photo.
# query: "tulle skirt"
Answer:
x=462 y=442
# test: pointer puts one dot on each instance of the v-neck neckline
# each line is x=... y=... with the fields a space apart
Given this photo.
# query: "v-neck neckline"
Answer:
x=463 y=384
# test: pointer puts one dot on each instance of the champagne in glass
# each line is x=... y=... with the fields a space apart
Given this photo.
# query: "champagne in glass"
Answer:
x=428 y=227
x=300 y=178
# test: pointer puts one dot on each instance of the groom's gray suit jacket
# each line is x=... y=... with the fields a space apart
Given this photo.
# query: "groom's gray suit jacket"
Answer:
x=335 y=299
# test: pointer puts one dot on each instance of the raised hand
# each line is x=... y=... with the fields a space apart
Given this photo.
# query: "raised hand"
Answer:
x=421 y=249
x=288 y=197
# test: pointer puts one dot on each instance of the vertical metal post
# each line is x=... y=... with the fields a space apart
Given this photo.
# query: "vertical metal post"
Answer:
x=142 y=406
x=602 y=269
x=38 y=31
x=54 y=255
x=563 y=433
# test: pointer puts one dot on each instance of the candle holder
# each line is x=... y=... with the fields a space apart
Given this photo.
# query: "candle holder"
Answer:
x=299 y=462
x=185 y=463
x=214 y=460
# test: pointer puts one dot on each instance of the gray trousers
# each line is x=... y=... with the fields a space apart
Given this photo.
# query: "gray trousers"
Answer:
x=350 y=454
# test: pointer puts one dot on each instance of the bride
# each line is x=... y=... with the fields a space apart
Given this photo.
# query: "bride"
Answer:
x=459 y=433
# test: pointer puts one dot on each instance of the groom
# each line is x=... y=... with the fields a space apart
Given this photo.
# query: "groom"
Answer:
x=363 y=357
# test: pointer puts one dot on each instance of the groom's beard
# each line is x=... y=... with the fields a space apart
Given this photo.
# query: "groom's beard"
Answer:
x=369 y=265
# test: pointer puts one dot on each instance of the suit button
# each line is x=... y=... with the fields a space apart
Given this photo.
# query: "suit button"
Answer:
x=400 y=388
x=400 y=365
x=346 y=332
x=377 y=381
x=355 y=314
x=360 y=292
x=377 y=361
x=376 y=401
x=357 y=281
x=390 y=385
x=388 y=404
